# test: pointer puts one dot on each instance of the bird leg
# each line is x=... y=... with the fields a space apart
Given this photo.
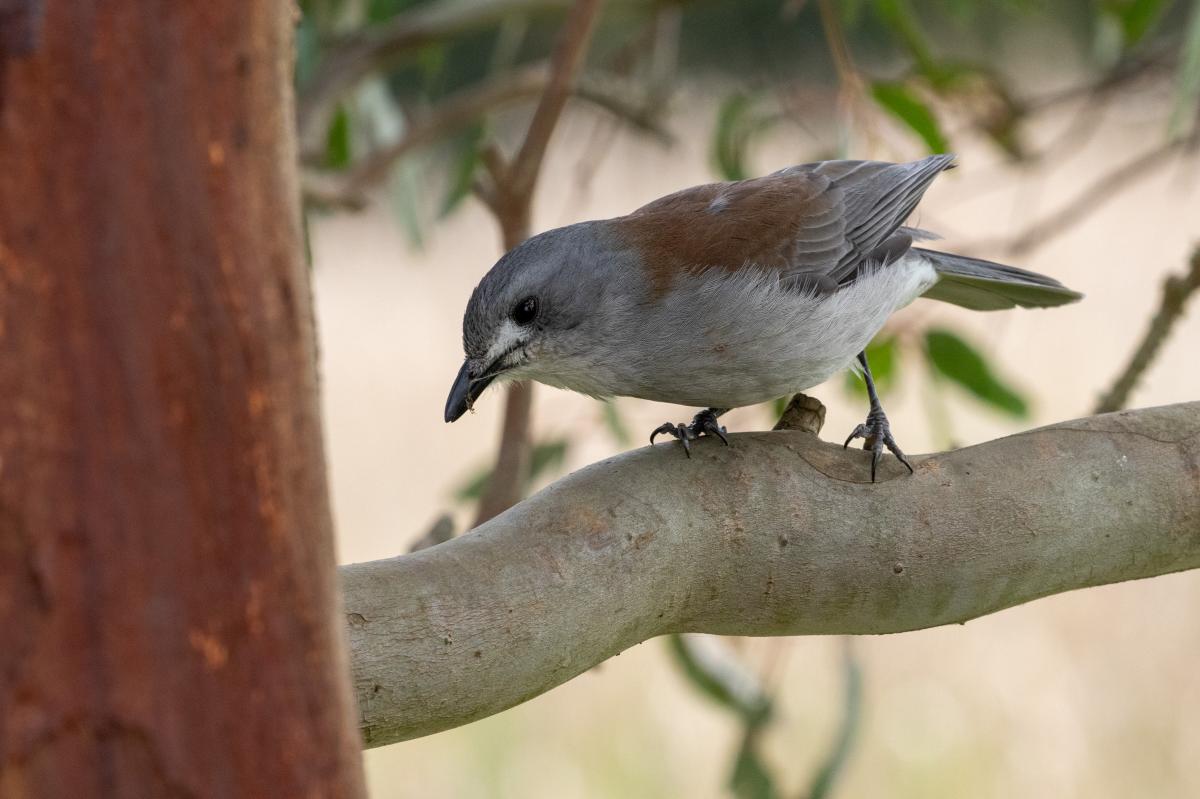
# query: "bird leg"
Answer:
x=875 y=432
x=704 y=423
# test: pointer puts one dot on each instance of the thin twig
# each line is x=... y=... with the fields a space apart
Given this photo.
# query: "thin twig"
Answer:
x=851 y=86
x=352 y=58
x=565 y=65
x=1176 y=291
x=1087 y=201
x=510 y=197
x=456 y=112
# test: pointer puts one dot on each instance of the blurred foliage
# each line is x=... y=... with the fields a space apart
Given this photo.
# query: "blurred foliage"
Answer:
x=898 y=100
x=883 y=355
x=337 y=141
x=949 y=356
x=615 y=424
x=546 y=458
x=718 y=675
x=738 y=122
x=923 y=63
x=938 y=69
x=954 y=359
x=843 y=743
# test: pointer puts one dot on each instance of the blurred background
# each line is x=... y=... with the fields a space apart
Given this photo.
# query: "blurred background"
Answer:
x=1075 y=127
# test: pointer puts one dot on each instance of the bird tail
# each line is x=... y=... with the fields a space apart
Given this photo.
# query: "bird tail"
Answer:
x=986 y=286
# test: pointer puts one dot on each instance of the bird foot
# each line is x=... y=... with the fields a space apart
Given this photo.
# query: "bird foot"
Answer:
x=704 y=423
x=877 y=434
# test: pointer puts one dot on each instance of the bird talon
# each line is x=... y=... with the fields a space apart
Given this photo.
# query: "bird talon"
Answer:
x=859 y=432
x=877 y=434
x=666 y=428
x=705 y=423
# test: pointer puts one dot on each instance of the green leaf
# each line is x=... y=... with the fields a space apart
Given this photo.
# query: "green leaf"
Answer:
x=737 y=123
x=900 y=102
x=778 y=405
x=545 y=458
x=383 y=10
x=899 y=16
x=1135 y=18
x=959 y=362
x=750 y=778
x=753 y=708
x=883 y=353
x=337 y=141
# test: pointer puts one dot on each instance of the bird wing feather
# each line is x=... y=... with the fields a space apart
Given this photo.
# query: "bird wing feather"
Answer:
x=816 y=224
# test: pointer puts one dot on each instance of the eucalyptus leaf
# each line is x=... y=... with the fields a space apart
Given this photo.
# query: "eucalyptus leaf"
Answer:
x=337 y=140
x=726 y=683
x=1136 y=18
x=899 y=101
x=546 y=458
x=751 y=779
x=954 y=359
x=738 y=121
x=835 y=762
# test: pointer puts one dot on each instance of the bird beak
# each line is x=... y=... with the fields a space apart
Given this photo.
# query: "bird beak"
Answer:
x=465 y=391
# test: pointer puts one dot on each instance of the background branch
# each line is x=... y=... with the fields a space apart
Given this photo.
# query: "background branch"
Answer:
x=1104 y=189
x=775 y=535
x=348 y=188
x=509 y=194
x=356 y=56
x=1175 y=293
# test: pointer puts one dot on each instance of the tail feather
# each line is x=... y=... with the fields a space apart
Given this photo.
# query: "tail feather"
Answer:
x=986 y=286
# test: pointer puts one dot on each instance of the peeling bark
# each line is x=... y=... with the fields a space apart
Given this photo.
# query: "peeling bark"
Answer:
x=778 y=534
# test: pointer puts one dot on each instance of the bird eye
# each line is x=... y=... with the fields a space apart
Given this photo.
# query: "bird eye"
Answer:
x=525 y=311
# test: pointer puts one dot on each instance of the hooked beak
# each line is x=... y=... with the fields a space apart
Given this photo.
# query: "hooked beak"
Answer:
x=466 y=390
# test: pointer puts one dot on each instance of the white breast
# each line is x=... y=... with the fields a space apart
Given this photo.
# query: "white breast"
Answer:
x=725 y=340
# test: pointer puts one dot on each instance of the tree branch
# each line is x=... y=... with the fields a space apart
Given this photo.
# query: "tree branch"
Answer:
x=1102 y=190
x=510 y=197
x=778 y=534
x=356 y=56
x=1175 y=293
x=565 y=64
x=348 y=188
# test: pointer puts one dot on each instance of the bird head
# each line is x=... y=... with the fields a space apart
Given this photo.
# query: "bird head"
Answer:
x=532 y=313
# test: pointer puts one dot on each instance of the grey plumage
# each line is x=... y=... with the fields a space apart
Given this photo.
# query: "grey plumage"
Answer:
x=986 y=286
x=726 y=294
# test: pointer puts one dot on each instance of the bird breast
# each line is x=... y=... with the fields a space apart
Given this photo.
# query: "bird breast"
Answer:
x=728 y=339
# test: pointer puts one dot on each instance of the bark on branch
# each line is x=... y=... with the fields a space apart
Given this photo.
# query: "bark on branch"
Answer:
x=777 y=534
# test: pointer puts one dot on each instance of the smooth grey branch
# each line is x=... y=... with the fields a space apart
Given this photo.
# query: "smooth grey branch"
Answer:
x=778 y=534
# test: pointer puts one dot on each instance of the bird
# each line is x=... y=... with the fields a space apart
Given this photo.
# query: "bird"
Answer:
x=728 y=294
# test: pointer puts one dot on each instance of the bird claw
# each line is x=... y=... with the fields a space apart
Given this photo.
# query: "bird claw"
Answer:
x=877 y=434
x=704 y=423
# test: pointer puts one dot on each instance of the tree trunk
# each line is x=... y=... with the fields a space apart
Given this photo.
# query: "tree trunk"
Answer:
x=169 y=618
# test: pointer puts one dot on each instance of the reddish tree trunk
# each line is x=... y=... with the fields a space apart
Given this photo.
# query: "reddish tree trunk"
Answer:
x=168 y=598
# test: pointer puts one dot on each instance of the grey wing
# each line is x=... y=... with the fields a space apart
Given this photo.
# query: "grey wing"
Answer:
x=873 y=199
